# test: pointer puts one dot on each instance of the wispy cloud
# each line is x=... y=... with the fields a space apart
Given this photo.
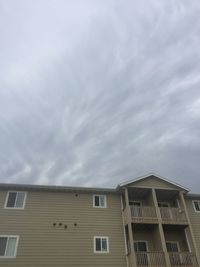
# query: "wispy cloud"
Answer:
x=96 y=93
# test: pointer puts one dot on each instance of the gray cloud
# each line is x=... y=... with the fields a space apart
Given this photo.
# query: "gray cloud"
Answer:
x=98 y=93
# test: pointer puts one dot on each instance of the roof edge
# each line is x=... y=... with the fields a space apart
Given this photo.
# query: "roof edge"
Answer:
x=56 y=188
x=152 y=174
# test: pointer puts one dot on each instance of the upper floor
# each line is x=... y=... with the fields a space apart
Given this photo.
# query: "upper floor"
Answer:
x=152 y=198
x=90 y=219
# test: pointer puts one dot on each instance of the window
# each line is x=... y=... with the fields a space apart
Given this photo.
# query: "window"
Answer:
x=99 y=201
x=15 y=200
x=141 y=248
x=8 y=246
x=196 y=204
x=136 y=208
x=101 y=244
x=173 y=249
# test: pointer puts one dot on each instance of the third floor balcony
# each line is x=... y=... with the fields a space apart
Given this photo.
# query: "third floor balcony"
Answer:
x=172 y=215
x=143 y=214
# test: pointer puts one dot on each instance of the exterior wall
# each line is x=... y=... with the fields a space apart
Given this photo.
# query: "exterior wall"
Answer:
x=177 y=236
x=195 y=221
x=153 y=182
x=149 y=235
x=147 y=201
x=41 y=244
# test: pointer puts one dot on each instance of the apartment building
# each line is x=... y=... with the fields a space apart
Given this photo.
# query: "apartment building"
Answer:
x=149 y=221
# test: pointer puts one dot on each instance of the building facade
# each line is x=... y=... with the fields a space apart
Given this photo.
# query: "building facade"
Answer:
x=149 y=221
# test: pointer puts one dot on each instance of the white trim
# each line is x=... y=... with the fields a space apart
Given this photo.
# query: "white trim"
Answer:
x=105 y=201
x=124 y=232
x=197 y=211
x=107 y=242
x=16 y=246
x=18 y=208
x=156 y=176
x=187 y=240
x=178 y=203
x=144 y=241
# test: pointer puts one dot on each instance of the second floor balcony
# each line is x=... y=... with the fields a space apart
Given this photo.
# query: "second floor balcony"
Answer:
x=143 y=214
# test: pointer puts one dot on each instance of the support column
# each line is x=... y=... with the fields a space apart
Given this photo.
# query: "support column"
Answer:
x=162 y=236
x=190 y=227
x=130 y=231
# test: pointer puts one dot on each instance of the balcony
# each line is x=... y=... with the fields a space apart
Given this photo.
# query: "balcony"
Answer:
x=143 y=214
x=171 y=215
x=157 y=259
x=153 y=259
x=183 y=259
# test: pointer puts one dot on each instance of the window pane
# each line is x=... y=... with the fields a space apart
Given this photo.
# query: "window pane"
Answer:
x=3 y=241
x=10 y=250
x=142 y=246
x=102 y=201
x=104 y=244
x=197 y=206
x=96 y=200
x=98 y=244
x=20 y=200
x=11 y=199
x=136 y=246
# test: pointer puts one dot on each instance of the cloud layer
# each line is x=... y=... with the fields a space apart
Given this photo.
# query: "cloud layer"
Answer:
x=99 y=92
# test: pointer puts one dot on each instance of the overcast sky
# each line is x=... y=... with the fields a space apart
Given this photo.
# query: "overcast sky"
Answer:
x=94 y=93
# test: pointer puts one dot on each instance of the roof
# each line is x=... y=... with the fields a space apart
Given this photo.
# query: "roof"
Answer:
x=156 y=176
x=57 y=188
x=31 y=187
x=193 y=196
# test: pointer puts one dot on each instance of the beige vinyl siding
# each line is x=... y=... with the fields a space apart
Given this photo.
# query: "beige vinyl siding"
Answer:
x=176 y=235
x=149 y=235
x=153 y=182
x=41 y=244
x=195 y=221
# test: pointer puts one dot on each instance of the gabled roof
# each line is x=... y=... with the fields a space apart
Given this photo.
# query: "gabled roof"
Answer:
x=156 y=176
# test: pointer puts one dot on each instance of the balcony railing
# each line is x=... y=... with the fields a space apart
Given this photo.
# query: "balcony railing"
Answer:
x=172 y=215
x=157 y=259
x=143 y=214
x=183 y=259
x=153 y=259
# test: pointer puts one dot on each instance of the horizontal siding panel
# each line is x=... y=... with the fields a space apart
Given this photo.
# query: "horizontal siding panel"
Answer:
x=42 y=244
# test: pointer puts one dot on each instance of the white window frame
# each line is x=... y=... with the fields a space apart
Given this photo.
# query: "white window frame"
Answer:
x=142 y=241
x=18 y=208
x=198 y=211
x=107 y=241
x=105 y=201
x=16 y=246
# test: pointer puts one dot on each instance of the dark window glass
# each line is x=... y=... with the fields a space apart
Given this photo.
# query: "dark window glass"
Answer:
x=11 y=200
x=104 y=244
x=3 y=241
x=98 y=244
x=96 y=200
x=140 y=246
x=197 y=206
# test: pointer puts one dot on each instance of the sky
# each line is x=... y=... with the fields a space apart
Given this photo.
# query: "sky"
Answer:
x=94 y=93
